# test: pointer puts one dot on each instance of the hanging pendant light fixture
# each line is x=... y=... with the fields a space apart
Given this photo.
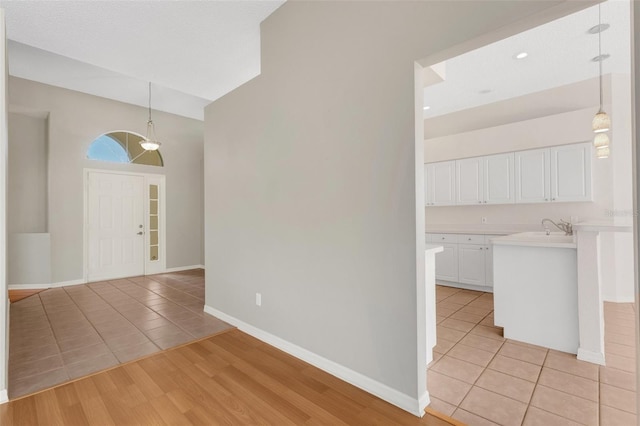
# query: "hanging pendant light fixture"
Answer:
x=601 y=122
x=150 y=143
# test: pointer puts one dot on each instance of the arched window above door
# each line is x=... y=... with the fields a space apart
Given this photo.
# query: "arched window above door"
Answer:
x=123 y=147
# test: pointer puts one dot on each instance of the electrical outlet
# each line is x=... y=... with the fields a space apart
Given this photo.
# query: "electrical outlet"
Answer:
x=258 y=299
x=484 y=220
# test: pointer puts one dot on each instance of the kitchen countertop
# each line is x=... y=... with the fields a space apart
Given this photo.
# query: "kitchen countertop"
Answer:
x=433 y=248
x=537 y=239
x=486 y=229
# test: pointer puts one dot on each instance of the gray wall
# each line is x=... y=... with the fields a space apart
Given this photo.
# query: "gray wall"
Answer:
x=27 y=203
x=75 y=120
x=310 y=178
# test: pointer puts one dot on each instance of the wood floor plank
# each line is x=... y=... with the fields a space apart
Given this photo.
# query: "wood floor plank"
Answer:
x=223 y=380
x=48 y=409
x=15 y=295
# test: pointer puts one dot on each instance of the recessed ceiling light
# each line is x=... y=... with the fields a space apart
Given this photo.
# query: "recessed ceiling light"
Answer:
x=426 y=108
x=522 y=55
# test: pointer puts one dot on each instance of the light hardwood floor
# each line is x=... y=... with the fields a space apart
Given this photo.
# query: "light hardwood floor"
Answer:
x=15 y=295
x=230 y=378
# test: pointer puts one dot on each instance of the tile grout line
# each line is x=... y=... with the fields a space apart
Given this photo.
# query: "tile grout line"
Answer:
x=56 y=342
x=130 y=322
x=94 y=327
x=159 y=313
x=163 y=284
x=164 y=297
x=458 y=406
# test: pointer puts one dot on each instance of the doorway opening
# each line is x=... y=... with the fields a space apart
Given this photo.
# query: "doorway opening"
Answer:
x=475 y=122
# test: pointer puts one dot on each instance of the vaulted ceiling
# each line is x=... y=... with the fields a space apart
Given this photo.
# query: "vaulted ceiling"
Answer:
x=193 y=52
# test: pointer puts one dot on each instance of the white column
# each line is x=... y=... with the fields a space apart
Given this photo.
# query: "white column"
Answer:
x=590 y=309
x=430 y=287
x=4 y=298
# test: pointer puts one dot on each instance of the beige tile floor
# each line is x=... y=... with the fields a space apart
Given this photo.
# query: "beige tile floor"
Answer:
x=69 y=332
x=480 y=378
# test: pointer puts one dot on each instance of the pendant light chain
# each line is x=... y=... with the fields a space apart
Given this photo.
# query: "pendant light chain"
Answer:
x=599 y=54
x=150 y=143
x=150 y=97
x=601 y=123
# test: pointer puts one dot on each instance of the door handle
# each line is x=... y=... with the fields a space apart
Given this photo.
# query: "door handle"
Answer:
x=140 y=233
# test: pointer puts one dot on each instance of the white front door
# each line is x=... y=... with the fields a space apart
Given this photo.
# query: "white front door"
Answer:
x=115 y=226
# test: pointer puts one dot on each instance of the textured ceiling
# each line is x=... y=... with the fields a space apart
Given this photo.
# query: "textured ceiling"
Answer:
x=560 y=54
x=202 y=49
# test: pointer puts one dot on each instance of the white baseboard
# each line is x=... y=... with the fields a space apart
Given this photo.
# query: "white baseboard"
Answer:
x=81 y=281
x=182 y=268
x=45 y=286
x=28 y=286
x=382 y=391
x=591 y=356
x=4 y=396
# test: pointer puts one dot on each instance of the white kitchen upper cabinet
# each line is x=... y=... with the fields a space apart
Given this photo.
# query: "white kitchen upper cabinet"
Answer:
x=472 y=263
x=499 y=179
x=571 y=172
x=447 y=263
x=470 y=181
x=532 y=176
x=440 y=183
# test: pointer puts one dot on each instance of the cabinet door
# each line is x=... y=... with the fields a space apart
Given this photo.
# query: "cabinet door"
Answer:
x=440 y=184
x=488 y=258
x=470 y=181
x=571 y=172
x=532 y=176
x=447 y=263
x=499 y=179
x=471 y=264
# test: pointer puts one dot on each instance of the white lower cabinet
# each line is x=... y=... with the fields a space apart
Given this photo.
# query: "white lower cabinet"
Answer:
x=488 y=258
x=471 y=264
x=447 y=263
x=467 y=260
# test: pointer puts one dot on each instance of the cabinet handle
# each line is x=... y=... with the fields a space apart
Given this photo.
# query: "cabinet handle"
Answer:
x=546 y=199
x=485 y=202
x=553 y=199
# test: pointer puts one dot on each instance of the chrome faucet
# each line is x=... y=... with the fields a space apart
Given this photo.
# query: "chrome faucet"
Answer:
x=565 y=227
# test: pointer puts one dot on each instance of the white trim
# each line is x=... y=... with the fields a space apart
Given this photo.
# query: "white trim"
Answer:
x=28 y=286
x=46 y=286
x=182 y=268
x=382 y=391
x=4 y=396
x=591 y=356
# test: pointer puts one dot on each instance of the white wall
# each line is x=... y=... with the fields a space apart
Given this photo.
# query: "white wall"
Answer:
x=310 y=181
x=27 y=201
x=75 y=120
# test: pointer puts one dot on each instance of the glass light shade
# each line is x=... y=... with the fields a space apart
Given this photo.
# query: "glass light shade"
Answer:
x=149 y=145
x=602 y=152
x=601 y=122
x=601 y=140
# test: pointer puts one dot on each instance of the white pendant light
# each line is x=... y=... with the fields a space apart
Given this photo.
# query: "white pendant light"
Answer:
x=150 y=143
x=601 y=122
x=602 y=152
x=601 y=140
